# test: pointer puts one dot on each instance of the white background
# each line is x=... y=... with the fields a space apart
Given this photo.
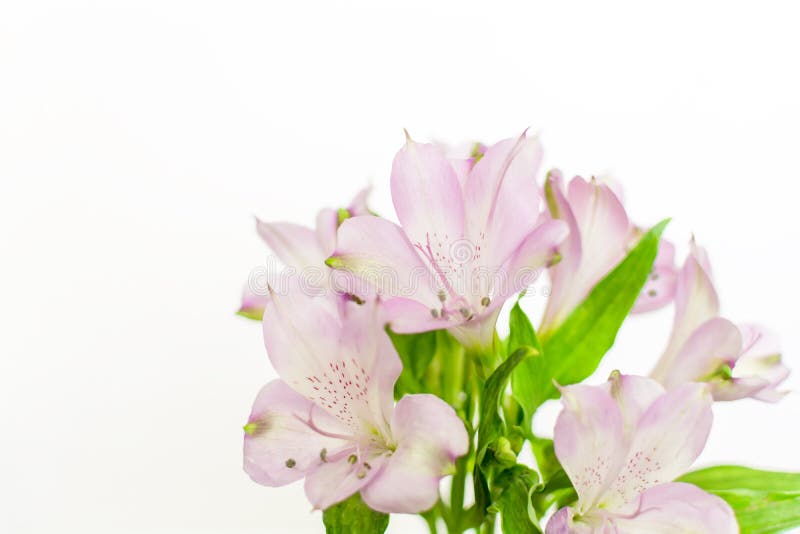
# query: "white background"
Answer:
x=137 y=139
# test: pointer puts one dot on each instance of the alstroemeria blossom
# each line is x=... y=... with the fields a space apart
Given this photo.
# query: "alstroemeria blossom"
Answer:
x=600 y=234
x=737 y=360
x=470 y=237
x=331 y=417
x=301 y=249
x=622 y=444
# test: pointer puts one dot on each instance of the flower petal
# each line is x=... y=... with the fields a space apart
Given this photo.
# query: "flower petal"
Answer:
x=696 y=302
x=429 y=436
x=679 y=507
x=253 y=304
x=333 y=352
x=599 y=232
x=715 y=343
x=659 y=290
x=562 y=523
x=295 y=245
x=426 y=193
x=502 y=198
x=358 y=205
x=525 y=265
x=759 y=371
x=365 y=340
x=327 y=224
x=328 y=483
x=669 y=437
x=406 y=316
x=634 y=395
x=378 y=251
x=278 y=447
x=589 y=441
x=478 y=333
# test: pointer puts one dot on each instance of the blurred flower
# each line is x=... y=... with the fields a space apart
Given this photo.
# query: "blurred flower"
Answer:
x=470 y=237
x=331 y=417
x=621 y=444
x=738 y=361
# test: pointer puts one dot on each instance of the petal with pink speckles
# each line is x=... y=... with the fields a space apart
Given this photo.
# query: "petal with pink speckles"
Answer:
x=279 y=447
x=589 y=441
x=669 y=436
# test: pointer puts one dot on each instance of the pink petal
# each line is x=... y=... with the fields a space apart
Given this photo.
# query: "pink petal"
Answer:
x=378 y=251
x=679 y=507
x=527 y=262
x=429 y=436
x=327 y=224
x=598 y=220
x=406 y=316
x=668 y=438
x=278 y=447
x=426 y=193
x=695 y=303
x=328 y=483
x=502 y=198
x=252 y=304
x=571 y=254
x=759 y=371
x=659 y=290
x=334 y=353
x=477 y=334
x=364 y=337
x=295 y=245
x=563 y=522
x=358 y=206
x=589 y=441
x=634 y=395
x=715 y=343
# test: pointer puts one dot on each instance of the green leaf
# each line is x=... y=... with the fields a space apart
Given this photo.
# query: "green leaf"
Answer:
x=525 y=378
x=416 y=352
x=763 y=512
x=352 y=515
x=514 y=501
x=574 y=351
x=491 y=425
x=733 y=477
x=764 y=502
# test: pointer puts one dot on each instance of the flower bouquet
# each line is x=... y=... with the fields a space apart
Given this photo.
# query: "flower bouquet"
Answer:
x=393 y=376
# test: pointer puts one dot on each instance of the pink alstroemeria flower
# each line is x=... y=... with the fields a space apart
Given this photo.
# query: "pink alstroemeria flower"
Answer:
x=470 y=237
x=738 y=361
x=622 y=444
x=301 y=249
x=600 y=235
x=331 y=417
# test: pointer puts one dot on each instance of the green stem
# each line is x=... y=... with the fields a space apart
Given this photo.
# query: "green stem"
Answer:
x=457 y=495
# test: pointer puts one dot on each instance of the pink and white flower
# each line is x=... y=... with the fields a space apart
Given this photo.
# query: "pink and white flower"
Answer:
x=331 y=417
x=301 y=249
x=737 y=360
x=622 y=444
x=470 y=236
